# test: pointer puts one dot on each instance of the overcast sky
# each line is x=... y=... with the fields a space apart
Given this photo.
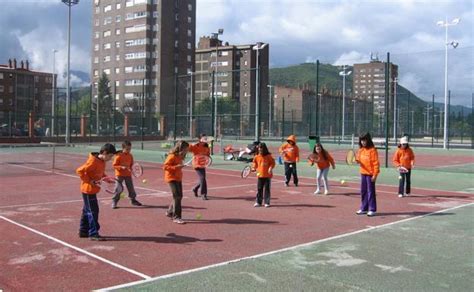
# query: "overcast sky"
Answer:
x=335 y=32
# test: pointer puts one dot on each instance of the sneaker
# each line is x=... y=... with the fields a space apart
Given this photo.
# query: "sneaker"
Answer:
x=83 y=234
x=317 y=191
x=195 y=193
x=296 y=184
x=407 y=194
x=360 y=212
x=267 y=205
x=114 y=205
x=96 y=238
x=371 y=213
x=257 y=205
x=326 y=192
x=135 y=202
x=204 y=197
x=400 y=195
x=179 y=221
x=168 y=214
x=286 y=184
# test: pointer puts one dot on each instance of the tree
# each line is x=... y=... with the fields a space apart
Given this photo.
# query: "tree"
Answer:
x=104 y=97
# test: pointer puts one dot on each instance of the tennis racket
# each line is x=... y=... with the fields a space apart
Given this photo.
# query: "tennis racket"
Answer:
x=313 y=158
x=110 y=185
x=402 y=169
x=246 y=171
x=136 y=169
x=350 y=157
x=201 y=161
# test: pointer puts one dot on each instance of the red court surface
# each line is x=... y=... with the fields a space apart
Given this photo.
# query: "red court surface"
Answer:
x=142 y=242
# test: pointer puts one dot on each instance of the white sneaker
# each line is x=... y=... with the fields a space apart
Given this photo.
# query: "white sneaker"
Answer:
x=406 y=195
x=317 y=191
x=360 y=212
x=257 y=205
x=371 y=213
x=400 y=195
x=267 y=205
x=326 y=192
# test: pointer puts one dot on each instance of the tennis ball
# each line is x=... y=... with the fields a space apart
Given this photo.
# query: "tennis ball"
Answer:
x=399 y=177
x=343 y=182
x=144 y=181
x=258 y=173
x=198 y=216
x=122 y=195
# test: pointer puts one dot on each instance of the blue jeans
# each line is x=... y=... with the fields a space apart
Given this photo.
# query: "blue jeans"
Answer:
x=90 y=215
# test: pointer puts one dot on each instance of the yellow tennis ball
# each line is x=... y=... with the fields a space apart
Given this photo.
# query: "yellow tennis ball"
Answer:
x=122 y=195
x=399 y=177
x=198 y=216
x=258 y=173
x=144 y=181
x=343 y=182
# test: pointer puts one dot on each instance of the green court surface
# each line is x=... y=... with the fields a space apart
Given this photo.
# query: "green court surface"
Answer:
x=428 y=253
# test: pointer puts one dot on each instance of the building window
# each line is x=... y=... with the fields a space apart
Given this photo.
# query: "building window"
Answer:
x=155 y=14
x=107 y=33
x=2 y=88
x=96 y=60
x=117 y=31
x=106 y=46
x=189 y=58
x=96 y=73
x=189 y=45
x=107 y=8
x=97 y=22
x=107 y=20
x=118 y=18
x=190 y=33
x=96 y=47
x=117 y=70
x=107 y=71
x=97 y=10
x=190 y=7
x=190 y=19
x=118 y=6
x=117 y=83
x=97 y=34
x=117 y=58
x=117 y=44
x=106 y=58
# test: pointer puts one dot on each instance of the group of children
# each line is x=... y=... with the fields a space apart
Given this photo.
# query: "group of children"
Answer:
x=263 y=164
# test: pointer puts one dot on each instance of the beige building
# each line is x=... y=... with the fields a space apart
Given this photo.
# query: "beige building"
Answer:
x=369 y=80
x=142 y=45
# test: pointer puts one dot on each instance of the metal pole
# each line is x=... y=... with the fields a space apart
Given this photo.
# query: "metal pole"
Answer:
x=387 y=92
x=448 y=119
x=316 y=130
x=191 y=108
x=175 y=106
x=143 y=107
x=97 y=118
x=52 y=94
x=90 y=112
x=395 y=111
x=354 y=117
x=215 y=88
x=257 y=100
x=283 y=119
x=432 y=122
x=68 y=90
x=113 y=111
x=213 y=112
x=408 y=114
x=445 y=132
x=343 y=102
x=270 y=110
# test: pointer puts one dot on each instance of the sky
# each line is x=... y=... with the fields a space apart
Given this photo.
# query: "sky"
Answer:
x=338 y=32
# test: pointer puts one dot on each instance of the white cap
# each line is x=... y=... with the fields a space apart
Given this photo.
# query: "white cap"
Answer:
x=404 y=140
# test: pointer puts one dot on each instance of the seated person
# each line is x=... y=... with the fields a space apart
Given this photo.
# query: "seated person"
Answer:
x=250 y=150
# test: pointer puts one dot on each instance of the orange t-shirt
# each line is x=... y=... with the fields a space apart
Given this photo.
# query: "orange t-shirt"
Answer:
x=290 y=153
x=325 y=163
x=368 y=159
x=92 y=170
x=172 y=172
x=199 y=149
x=123 y=159
x=404 y=157
x=262 y=164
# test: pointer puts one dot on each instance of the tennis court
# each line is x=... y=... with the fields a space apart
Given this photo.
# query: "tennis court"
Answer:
x=302 y=242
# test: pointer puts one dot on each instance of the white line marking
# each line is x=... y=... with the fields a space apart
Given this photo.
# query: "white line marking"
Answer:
x=371 y=228
x=141 y=275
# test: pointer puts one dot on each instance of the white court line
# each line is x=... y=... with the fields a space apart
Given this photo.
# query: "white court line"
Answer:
x=141 y=275
x=370 y=228
x=454 y=165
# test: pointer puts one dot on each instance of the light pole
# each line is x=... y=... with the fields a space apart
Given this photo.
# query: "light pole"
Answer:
x=259 y=46
x=354 y=118
x=454 y=44
x=215 y=35
x=343 y=73
x=191 y=107
x=69 y=3
x=395 y=80
x=270 y=109
x=318 y=118
x=53 y=89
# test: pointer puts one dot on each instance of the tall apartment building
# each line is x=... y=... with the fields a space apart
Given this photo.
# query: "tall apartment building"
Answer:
x=369 y=80
x=142 y=45
x=235 y=67
x=23 y=91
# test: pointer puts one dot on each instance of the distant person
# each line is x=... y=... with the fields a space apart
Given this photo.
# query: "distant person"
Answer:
x=173 y=176
x=251 y=149
x=291 y=155
x=263 y=163
x=199 y=149
x=91 y=174
x=404 y=157
x=368 y=159
x=323 y=161
x=122 y=164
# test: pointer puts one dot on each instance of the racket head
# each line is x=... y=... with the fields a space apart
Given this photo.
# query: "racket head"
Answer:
x=137 y=170
x=402 y=169
x=350 y=157
x=313 y=158
x=199 y=161
x=111 y=185
x=246 y=171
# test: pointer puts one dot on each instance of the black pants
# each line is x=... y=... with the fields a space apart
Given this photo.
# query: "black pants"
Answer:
x=90 y=215
x=404 y=186
x=202 y=181
x=263 y=190
x=131 y=190
x=175 y=207
x=290 y=169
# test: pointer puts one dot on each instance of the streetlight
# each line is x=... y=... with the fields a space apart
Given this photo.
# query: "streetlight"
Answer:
x=343 y=73
x=319 y=114
x=354 y=117
x=191 y=74
x=215 y=35
x=259 y=46
x=69 y=3
x=270 y=109
x=395 y=80
x=454 y=44
x=53 y=104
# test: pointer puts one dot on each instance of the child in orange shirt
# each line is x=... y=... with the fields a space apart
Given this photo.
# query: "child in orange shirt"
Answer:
x=291 y=155
x=323 y=162
x=406 y=158
x=263 y=163
x=91 y=173
x=173 y=176
x=368 y=159
x=201 y=148
x=122 y=164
